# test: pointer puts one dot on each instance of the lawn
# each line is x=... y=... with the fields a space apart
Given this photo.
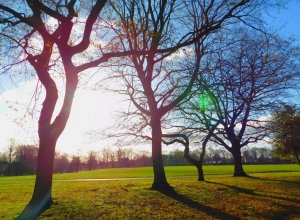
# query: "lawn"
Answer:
x=172 y=171
x=273 y=192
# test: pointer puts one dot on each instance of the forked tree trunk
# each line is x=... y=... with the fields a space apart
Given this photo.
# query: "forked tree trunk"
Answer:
x=160 y=181
x=238 y=166
x=48 y=135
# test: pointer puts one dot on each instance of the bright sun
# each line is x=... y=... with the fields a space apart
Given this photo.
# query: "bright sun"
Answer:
x=92 y=110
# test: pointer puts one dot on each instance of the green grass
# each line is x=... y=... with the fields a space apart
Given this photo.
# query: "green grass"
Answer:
x=141 y=172
x=272 y=193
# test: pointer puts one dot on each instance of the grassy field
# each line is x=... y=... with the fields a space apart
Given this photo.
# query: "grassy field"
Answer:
x=171 y=171
x=273 y=192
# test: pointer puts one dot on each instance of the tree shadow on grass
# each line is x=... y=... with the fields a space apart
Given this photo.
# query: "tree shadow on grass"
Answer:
x=215 y=213
x=253 y=193
x=289 y=212
x=288 y=209
x=283 y=181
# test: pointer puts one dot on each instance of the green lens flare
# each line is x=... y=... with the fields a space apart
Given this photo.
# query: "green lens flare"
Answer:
x=203 y=102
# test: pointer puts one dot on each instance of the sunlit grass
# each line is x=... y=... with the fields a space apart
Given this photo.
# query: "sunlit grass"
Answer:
x=273 y=195
x=142 y=172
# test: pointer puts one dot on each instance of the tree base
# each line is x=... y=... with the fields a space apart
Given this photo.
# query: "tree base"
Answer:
x=201 y=178
x=162 y=187
x=35 y=208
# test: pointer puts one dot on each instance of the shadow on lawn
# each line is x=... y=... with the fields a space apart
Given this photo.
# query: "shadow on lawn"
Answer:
x=253 y=193
x=215 y=213
x=289 y=212
x=288 y=209
x=283 y=181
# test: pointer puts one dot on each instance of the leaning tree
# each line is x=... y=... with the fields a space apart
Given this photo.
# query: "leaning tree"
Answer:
x=156 y=82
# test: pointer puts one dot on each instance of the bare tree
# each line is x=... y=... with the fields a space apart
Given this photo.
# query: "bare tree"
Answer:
x=123 y=157
x=186 y=131
x=106 y=155
x=11 y=151
x=152 y=81
x=26 y=159
x=245 y=78
x=75 y=164
x=43 y=32
x=92 y=160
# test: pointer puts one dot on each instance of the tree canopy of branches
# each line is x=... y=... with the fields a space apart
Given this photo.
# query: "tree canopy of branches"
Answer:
x=156 y=82
x=244 y=77
x=285 y=128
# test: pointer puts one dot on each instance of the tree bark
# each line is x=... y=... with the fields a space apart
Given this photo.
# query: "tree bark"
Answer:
x=201 y=159
x=238 y=166
x=200 y=171
x=160 y=181
x=48 y=136
x=41 y=198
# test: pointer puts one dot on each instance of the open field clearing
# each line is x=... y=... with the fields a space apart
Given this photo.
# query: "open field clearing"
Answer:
x=272 y=192
x=171 y=171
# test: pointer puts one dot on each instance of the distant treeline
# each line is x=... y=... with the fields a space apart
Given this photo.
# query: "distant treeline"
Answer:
x=22 y=159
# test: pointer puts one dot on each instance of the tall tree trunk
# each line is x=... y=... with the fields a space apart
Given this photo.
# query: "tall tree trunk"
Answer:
x=41 y=198
x=200 y=163
x=160 y=181
x=200 y=171
x=48 y=135
x=237 y=157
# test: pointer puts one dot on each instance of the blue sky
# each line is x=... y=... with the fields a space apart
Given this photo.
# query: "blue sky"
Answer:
x=284 y=21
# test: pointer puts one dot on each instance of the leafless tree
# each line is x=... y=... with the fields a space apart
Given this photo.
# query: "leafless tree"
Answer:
x=244 y=79
x=75 y=164
x=43 y=34
x=92 y=160
x=11 y=152
x=182 y=137
x=106 y=155
x=152 y=81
